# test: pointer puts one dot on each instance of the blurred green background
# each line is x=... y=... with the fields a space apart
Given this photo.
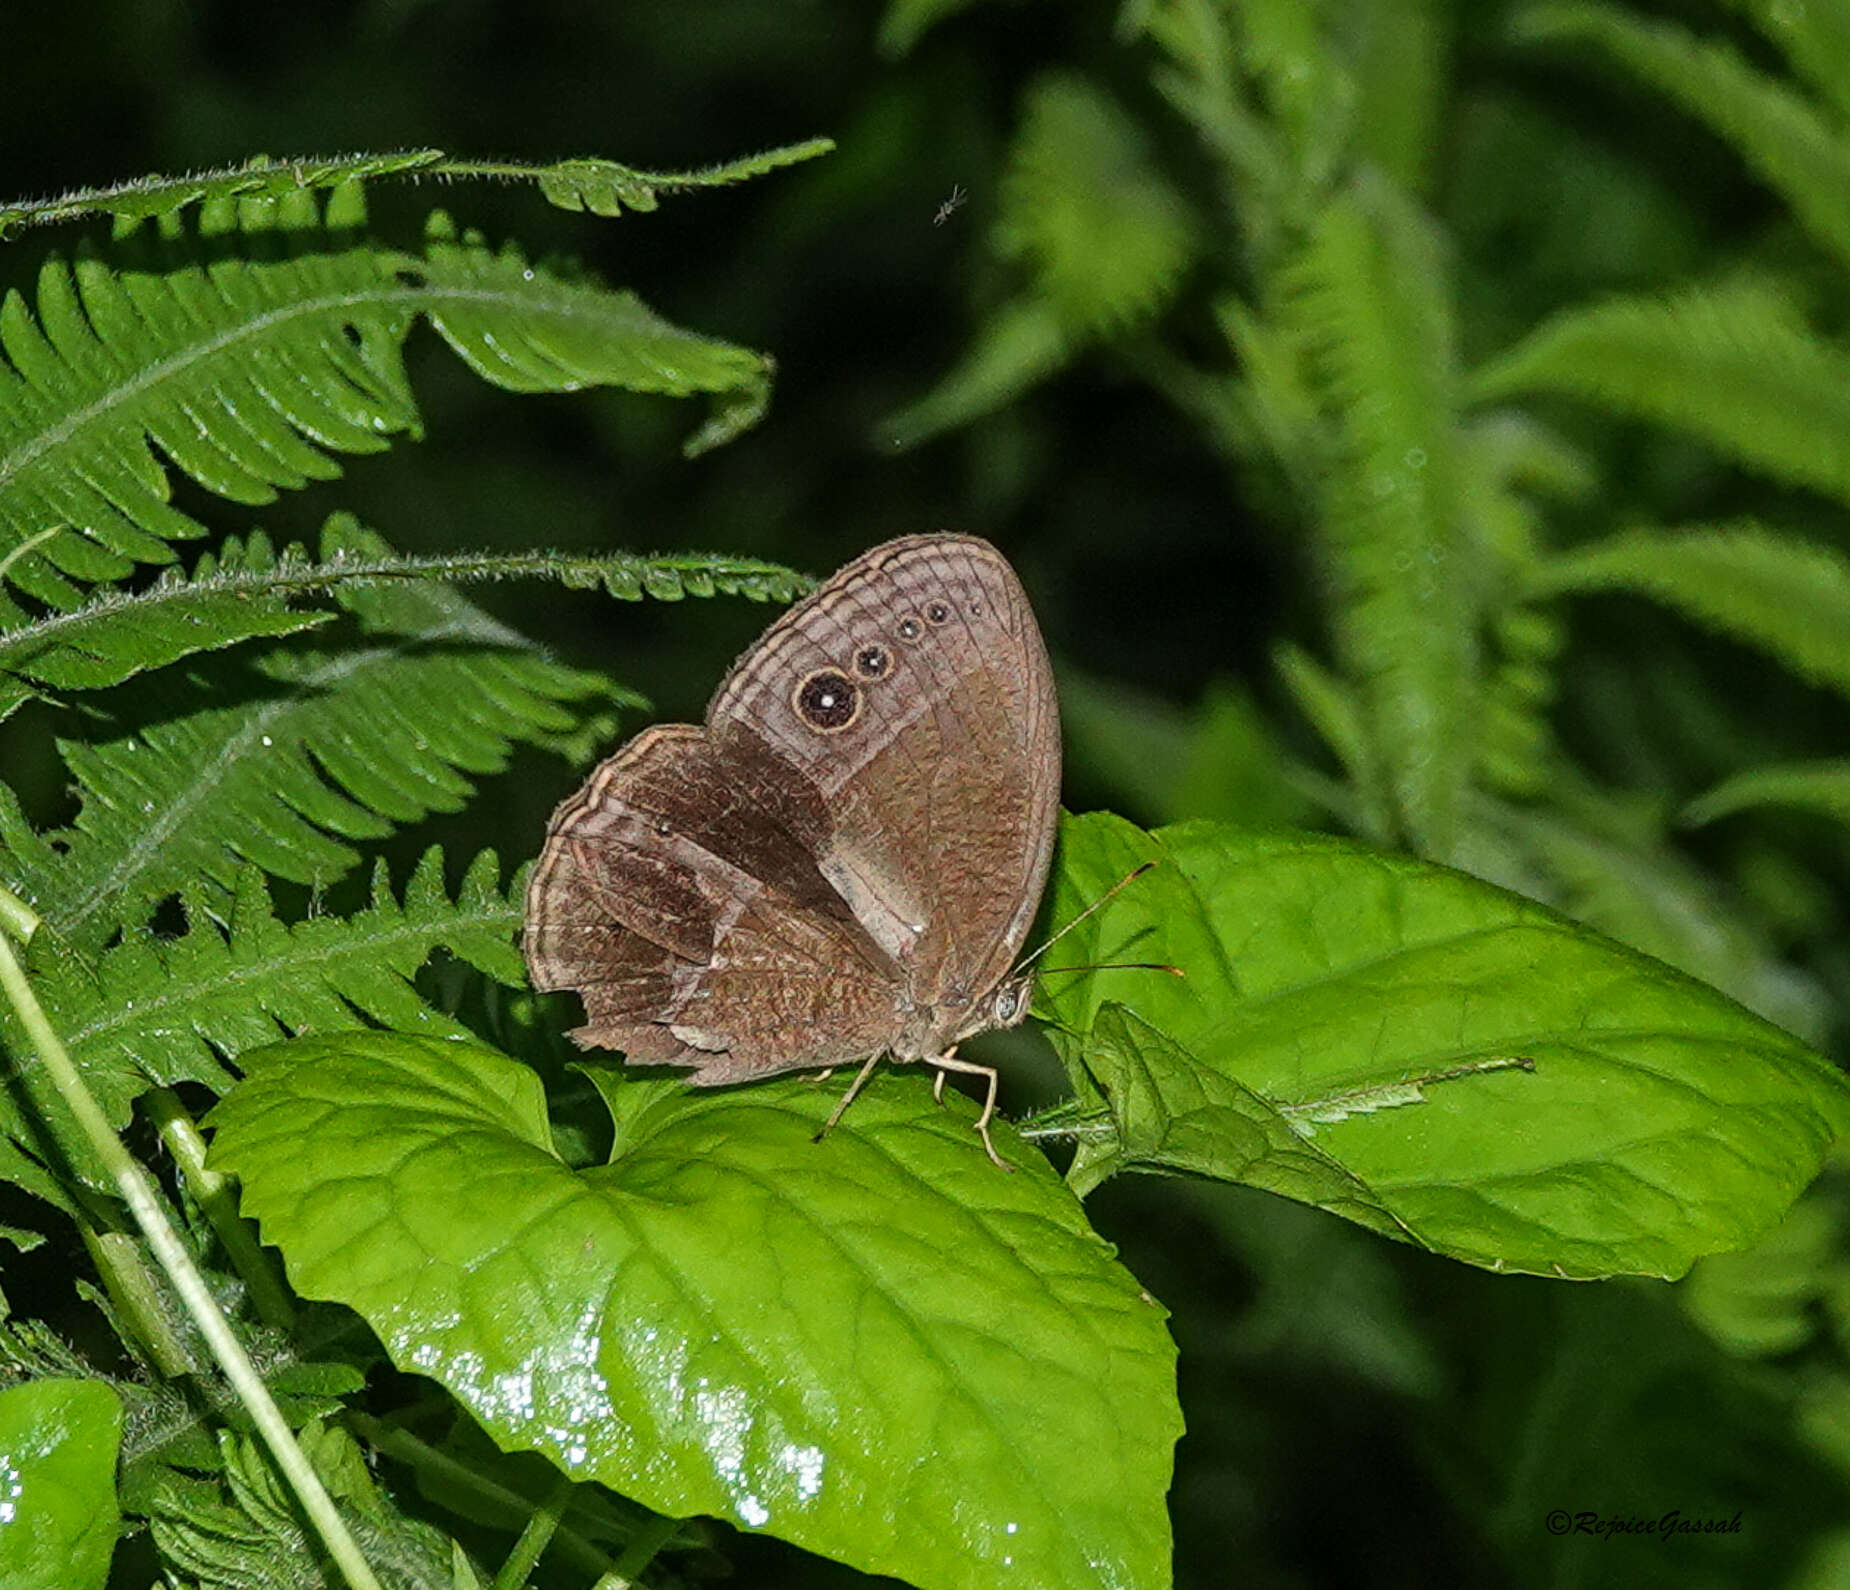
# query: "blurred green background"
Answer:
x=1358 y=1413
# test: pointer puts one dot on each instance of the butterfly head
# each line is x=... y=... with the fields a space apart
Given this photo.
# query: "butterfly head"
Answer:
x=1008 y=1006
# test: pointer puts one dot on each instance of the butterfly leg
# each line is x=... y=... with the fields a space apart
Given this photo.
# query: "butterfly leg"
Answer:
x=937 y=1086
x=847 y=1098
x=950 y=1062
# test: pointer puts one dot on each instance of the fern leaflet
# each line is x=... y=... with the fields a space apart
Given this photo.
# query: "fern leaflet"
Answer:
x=1368 y=301
x=1821 y=787
x=1788 y=598
x=249 y=374
x=162 y=1010
x=293 y=752
x=601 y=186
x=1775 y=129
x=1732 y=365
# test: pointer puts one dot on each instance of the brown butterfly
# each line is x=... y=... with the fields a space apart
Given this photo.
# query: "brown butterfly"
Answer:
x=842 y=862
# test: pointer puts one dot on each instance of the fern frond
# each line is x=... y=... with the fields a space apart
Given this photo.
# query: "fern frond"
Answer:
x=239 y=593
x=906 y=21
x=1785 y=597
x=250 y=374
x=1773 y=128
x=1640 y=890
x=285 y=758
x=1368 y=298
x=602 y=187
x=605 y=188
x=1820 y=787
x=242 y=592
x=1815 y=39
x=167 y=1008
x=1023 y=344
x=143 y=198
x=1732 y=365
x=152 y=1010
x=1079 y=172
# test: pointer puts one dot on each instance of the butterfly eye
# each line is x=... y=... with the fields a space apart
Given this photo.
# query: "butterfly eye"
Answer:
x=1008 y=1003
x=827 y=700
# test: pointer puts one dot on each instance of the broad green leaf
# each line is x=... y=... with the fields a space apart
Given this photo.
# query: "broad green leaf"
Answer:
x=1786 y=597
x=1454 y=1062
x=880 y=1347
x=1822 y=787
x=58 y=1511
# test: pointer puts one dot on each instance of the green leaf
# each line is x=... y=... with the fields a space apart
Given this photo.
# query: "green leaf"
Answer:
x=1369 y=298
x=58 y=1443
x=1785 y=597
x=1798 y=152
x=1821 y=787
x=1499 y=1083
x=1733 y=366
x=243 y=1528
x=299 y=749
x=1765 y=1301
x=879 y=1347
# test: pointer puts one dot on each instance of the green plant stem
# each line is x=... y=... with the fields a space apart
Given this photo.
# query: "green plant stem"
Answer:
x=136 y=1296
x=138 y=1193
x=17 y=919
x=641 y=1551
x=213 y=1193
x=433 y=1463
x=535 y=1538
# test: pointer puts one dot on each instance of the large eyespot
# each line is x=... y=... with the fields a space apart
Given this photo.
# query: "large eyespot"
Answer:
x=873 y=662
x=827 y=700
x=938 y=613
x=909 y=629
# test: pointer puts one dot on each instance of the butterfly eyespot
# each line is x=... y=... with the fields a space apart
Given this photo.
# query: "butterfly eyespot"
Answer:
x=663 y=827
x=938 y=613
x=827 y=700
x=975 y=609
x=873 y=662
x=909 y=628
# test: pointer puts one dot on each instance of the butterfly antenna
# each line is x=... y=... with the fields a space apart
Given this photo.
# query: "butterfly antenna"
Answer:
x=1123 y=883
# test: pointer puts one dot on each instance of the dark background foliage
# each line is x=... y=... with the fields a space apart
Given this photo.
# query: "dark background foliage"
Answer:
x=1357 y=1413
